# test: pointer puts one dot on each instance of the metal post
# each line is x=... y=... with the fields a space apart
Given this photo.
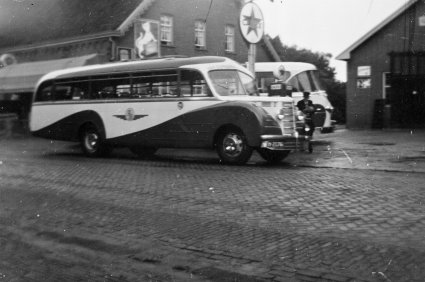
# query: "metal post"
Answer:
x=251 y=57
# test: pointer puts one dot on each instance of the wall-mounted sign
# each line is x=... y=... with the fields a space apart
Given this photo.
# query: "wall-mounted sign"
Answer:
x=251 y=22
x=363 y=71
x=363 y=83
x=421 y=20
x=146 y=34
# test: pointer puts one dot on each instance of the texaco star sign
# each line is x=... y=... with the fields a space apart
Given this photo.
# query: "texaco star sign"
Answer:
x=251 y=23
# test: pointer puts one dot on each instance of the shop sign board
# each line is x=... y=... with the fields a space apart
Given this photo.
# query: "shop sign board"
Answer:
x=363 y=71
x=146 y=35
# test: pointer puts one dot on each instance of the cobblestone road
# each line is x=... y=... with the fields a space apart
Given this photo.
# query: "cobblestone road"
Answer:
x=172 y=219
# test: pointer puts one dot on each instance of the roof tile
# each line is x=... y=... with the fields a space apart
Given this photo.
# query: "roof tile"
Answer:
x=31 y=22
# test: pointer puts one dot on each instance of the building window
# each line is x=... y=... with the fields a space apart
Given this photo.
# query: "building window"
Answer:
x=364 y=83
x=230 y=38
x=364 y=80
x=124 y=54
x=166 y=30
x=200 y=35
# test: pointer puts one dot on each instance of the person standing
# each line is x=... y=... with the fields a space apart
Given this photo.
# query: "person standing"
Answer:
x=306 y=106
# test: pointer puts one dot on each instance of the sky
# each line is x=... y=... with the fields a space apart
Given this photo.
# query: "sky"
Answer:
x=328 y=26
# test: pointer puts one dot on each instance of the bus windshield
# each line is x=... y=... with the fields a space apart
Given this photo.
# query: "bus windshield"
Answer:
x=233 y=83
x=306 y=81
x=303 y=81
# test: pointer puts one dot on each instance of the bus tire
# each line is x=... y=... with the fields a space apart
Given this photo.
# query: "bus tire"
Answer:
x=92 y=143
x=144 y=152
x=232 y=147
x=271 y=156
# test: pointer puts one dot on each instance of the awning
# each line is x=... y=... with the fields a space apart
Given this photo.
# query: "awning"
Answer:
x=23 y=77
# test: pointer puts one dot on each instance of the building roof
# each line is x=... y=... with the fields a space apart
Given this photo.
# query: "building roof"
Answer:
x=22 y=78
x=27 y=22
x=346 y=54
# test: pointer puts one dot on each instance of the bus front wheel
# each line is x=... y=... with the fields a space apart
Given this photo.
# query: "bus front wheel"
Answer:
x=233 y=148
x=92 y=143
x=271 y=156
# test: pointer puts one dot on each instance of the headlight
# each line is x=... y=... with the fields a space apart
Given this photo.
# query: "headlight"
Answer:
x=301 y=118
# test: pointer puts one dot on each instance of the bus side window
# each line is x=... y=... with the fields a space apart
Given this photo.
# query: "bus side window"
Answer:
x=44 y=92
x=98 y=89
x=77 y=93
x=107 y=92
x=111 y=87
x=155 y=84
x=80 y=90
x=165 y=84
x=141 y=89
x=166 y=89
x=193 y=84
x=123 y=91
x=62 y=92
x=71 y=90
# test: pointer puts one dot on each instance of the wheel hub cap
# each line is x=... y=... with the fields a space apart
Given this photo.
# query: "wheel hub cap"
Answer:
x=92 y=141
x=233 y=144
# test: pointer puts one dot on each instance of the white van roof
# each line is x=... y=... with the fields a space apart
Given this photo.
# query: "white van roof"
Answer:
x=293 y=67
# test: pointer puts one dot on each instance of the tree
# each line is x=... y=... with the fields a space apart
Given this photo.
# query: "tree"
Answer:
x=334 y=88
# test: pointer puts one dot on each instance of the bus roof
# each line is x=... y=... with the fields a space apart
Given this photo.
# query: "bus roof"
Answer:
x=131 y=66
x=293 y=67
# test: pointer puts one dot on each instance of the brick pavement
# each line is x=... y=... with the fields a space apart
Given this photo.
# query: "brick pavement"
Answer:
x=276 y=223
x=389 y=150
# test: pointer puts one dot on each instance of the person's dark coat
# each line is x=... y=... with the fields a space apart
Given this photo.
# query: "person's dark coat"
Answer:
x=306 y=106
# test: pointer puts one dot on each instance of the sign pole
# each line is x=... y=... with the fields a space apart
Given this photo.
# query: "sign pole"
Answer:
x=252 y=54
x=251 y=22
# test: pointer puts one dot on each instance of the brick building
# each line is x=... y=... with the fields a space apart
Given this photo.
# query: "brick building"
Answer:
x=386 y=72
x=40 y=36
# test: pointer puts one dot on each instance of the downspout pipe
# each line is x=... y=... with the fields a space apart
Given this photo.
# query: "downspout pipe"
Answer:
x=113 y=49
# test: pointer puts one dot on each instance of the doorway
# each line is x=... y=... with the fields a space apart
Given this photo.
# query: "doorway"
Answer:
x=407 y=101
x=407 y=92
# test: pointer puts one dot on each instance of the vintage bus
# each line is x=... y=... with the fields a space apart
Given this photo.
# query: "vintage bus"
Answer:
x=198 y=102
x=300 y=77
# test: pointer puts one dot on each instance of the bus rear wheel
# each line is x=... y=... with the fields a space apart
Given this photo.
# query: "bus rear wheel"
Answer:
x=271 y=156
x=144 y=152
x=92 y=143
x=233 y=148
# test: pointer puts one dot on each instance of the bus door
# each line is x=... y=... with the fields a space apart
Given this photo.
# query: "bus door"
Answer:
x=194 y=126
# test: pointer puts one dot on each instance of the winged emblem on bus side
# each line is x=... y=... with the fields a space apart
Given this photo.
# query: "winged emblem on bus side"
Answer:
x=130 y=115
